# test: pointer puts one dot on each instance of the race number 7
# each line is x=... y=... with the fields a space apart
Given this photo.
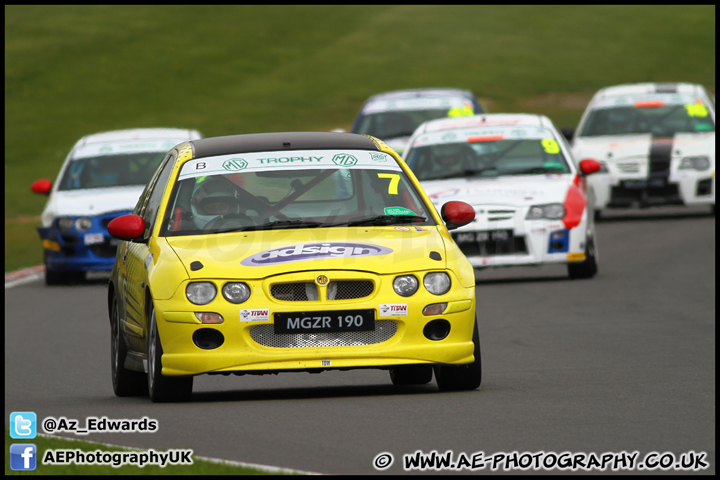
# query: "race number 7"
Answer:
x=394 y=180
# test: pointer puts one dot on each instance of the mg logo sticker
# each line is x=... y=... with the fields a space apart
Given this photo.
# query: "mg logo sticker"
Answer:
x=322 y=279
x=234 y=164
x=344 y=160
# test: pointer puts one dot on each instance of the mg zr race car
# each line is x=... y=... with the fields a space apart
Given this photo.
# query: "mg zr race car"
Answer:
x=394 y=116
x=101 y=179
x=655 y=142
x=278 y=252
x=517 y=172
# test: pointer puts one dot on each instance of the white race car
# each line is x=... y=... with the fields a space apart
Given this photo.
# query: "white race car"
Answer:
x=394 y=116
x=655 y=142
x=102 y=178
x=517 y=172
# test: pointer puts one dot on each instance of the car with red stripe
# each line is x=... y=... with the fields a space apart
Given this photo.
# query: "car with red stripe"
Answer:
x=517 y=171
x=655 y=143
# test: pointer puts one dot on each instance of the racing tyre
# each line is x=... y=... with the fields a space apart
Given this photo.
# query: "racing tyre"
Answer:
x=126 y=383
x=411 y=374
x=587 y=268
x=461 y=377
x=160 y=387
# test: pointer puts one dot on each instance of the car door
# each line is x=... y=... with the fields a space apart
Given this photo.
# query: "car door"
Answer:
x=136 y=257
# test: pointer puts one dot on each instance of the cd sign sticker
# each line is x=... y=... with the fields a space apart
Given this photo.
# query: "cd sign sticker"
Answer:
x=314 y=251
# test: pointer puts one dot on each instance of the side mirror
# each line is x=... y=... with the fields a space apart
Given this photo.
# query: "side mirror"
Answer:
x=589 y=166
x=568 y=133
x=127 y=227
x=41 y=187
x=456 y=214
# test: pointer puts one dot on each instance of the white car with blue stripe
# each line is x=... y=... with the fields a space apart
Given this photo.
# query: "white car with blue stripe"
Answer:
x=102 y=178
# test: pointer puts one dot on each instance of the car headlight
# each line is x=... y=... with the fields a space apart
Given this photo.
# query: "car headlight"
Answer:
x=200 y=293
x=65 y=223
x=700 y=163
x=552 y=211
x=437 y=283
x=405 y=285
x=83 y=224
x=236 y=292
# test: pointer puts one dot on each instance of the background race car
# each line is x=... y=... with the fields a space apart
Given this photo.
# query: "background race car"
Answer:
x=517 y=172
x=101 y=179
x=394 y=116
x=655 y=142
x=276 y=252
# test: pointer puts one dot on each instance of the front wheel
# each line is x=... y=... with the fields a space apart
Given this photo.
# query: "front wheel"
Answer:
x=411 y=374
x=461 y=377
x=588 y=267
x=160 y=387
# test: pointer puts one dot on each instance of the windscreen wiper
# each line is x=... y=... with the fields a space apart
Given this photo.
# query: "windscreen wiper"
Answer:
x=382 y=220
x=468 y=172
x=533 y=170
x=286 y=224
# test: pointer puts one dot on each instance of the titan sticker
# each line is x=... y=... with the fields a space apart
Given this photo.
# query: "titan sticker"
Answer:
x=254 y=315
x=393 y=310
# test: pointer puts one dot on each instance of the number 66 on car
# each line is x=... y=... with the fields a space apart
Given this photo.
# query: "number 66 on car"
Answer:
x=281 y=252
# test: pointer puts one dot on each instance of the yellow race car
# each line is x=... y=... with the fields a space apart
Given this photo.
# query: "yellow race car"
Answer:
x=276 y=252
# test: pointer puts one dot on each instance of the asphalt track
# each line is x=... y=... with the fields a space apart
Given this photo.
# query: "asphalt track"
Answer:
x=624 y=362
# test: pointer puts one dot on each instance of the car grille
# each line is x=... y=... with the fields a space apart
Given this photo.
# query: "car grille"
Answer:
x=630 y=167
x=265 y=335
x=336 y=290
x=348 y=290
x=294 y=292
x=498 y=215
x=513 y=245
x=104 y=249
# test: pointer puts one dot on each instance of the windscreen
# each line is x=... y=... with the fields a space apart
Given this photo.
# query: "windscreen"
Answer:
x=300 y=189
x=486 y=152
x=659 y=115
x=388 y=119
x=102 y=171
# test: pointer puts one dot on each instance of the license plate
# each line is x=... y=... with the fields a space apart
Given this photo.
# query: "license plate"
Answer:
x=329 y=321
x=93 y=238
x=484 y=236
x=635 y=184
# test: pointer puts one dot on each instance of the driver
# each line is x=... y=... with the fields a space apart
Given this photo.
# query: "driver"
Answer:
x=211 y=199
x=450 y=157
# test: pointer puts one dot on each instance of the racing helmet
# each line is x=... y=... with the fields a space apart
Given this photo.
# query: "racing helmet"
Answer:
x=212 y=198
x=449 y=154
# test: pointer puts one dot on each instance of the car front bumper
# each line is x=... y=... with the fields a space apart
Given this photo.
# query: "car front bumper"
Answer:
x=253 y=347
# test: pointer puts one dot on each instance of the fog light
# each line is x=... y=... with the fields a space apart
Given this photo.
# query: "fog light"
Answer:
x=207 y=317
x=434 y=309
x=437 y=329
x=208 y=338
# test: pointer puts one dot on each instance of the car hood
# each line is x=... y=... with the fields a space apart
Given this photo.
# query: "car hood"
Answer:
x=515 y=190
x=629 y=146
x=260 y=254
x=91 y=201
